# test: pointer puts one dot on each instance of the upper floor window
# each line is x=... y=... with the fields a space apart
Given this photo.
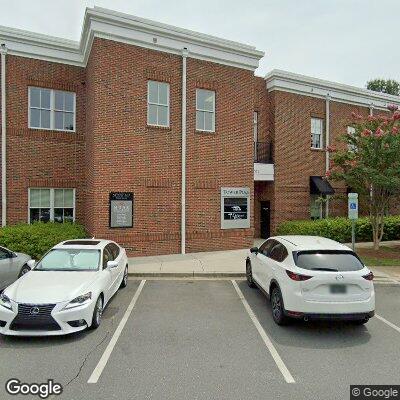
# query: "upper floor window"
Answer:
x=158 y=103
x=317 y=127
x=51 y=109
x=56 y=205
x=351 y=131
x=205 y=110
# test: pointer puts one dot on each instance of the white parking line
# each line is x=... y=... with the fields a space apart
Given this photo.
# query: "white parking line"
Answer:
x=278 y=360
x=395 y=327
x=107 y=352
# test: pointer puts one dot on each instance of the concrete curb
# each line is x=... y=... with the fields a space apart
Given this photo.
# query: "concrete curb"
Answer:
x=226 y=275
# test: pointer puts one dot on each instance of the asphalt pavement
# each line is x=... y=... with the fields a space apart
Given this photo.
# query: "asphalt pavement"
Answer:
x=197 y=339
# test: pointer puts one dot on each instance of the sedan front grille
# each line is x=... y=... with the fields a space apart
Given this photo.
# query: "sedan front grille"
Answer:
x=35 y=317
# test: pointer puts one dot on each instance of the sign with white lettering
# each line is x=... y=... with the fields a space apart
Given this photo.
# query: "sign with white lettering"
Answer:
x=235 y=208
x=121 y=210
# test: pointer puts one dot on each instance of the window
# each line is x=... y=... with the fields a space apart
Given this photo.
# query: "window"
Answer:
x=235 y=208
x=267 y=246
x=70 y=260
x=4 y=254
x=107 y=256
x=279 y=252
x=255 y=133
x=51 y=109
x=158 y=103
x=56 y=205
x=351 y=131
x=114 y=250
x=328 y=260
x=316 y=133
x=205 y=110
x=316 y=206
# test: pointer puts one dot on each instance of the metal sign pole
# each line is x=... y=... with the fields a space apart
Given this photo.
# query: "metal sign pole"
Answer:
x=353 y=216
x=353 y=234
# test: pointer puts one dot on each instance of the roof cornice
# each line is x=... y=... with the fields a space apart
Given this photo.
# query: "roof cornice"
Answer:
x=112 y=25
x=308 y=86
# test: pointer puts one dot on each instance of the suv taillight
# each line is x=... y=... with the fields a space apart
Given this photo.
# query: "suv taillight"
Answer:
x=369 y=277
x=297 y=277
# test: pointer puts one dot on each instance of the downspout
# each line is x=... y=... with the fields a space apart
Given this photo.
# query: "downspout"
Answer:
x=3 y=52
x=327 y=140
x=183 y=172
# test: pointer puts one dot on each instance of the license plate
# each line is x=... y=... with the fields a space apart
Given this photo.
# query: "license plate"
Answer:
x=338 y=289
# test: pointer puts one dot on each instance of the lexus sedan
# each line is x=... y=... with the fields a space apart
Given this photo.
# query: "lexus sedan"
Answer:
x=66 y=291
x=311 y=277
x=12 y=266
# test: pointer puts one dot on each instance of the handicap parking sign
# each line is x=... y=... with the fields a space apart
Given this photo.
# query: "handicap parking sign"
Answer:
x=353 y=205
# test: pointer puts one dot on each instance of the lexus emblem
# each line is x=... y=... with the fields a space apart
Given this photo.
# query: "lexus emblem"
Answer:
x=35 y=310
x=339 y=277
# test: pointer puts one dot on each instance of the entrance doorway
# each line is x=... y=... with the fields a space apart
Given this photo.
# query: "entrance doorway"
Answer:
x=265 y=219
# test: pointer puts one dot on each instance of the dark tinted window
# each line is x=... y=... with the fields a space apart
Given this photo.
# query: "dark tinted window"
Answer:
x=114 y=249
x=279 y=252
x=267 y=246
x=328 y=260
x=4 y=254
x=107 y=256
x=81 y=243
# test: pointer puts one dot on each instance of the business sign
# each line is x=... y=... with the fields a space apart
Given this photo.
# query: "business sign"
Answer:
x=121 y=210
x=353 y=205
x=235 y=208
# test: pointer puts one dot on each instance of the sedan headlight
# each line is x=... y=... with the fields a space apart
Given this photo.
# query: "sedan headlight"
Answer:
x=5 y=301
x=79 y=301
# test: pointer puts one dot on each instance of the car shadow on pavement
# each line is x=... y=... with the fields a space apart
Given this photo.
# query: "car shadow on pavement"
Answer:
x=311 y=334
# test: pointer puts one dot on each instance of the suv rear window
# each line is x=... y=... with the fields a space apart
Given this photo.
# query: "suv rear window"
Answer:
x=322 y=260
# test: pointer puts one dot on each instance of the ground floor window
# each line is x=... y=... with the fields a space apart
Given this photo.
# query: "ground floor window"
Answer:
x=46 y=204
x=235 y=208
x=317 y=206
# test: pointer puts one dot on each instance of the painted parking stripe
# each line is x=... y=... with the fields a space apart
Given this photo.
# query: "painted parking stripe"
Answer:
x=107 y=352
x=395 y=327
x=267 y=341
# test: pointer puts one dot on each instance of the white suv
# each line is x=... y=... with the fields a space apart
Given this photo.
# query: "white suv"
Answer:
x=311 y=277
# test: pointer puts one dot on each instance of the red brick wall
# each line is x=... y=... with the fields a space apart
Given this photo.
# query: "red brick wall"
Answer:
x=41 y=158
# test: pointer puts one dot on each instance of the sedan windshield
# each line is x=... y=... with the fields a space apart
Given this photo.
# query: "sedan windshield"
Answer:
x=322 y=260
x=70 y=260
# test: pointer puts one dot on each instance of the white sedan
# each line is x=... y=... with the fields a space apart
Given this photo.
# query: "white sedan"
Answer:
x=311 y=277
x=66 y=291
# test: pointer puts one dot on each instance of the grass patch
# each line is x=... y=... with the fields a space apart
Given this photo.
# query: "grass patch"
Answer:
x=385 y=256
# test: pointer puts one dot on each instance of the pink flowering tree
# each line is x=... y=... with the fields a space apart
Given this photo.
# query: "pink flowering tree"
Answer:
x=370 y=164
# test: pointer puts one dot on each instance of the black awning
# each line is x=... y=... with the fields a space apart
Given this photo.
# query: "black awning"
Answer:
x=318 y=185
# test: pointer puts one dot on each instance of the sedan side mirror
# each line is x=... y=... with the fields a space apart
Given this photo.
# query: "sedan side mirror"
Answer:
x=254 y=250
x=31 y=263
x=112 y=264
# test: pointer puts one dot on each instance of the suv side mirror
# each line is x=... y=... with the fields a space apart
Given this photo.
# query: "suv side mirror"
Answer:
x=31 y=263
x=254 y=250
x=112 y=264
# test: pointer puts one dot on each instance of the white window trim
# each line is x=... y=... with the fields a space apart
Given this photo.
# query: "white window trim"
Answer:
x=52 y=110
x=351 y=131
x=51 y=202
x=158 y=104
x=206 y=111
x=322 y=133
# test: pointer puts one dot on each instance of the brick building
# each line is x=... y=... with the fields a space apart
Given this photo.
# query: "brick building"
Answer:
x=162 y=138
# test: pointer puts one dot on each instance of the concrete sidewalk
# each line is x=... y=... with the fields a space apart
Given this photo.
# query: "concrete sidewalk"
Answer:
x=217 y=264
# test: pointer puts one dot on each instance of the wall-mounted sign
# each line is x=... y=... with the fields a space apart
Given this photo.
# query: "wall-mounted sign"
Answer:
x=121 y=210
x=235 y=208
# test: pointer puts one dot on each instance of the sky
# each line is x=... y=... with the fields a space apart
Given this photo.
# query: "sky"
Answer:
x=346 y=41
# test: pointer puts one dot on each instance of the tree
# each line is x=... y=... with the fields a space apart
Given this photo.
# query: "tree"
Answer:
x=389 y=86
x=370 y=164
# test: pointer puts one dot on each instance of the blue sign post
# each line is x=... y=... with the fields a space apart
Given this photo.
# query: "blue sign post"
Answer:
x=353 y=215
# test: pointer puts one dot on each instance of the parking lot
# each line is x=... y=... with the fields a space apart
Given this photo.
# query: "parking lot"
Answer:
x=198 y=339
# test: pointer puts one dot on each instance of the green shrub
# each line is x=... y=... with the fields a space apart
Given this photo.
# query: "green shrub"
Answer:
x=339 y=229
x=36 y=239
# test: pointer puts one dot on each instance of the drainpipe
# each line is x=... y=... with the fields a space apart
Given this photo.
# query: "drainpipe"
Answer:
x=371 y=109
x=3 y=52
x=183 y=192
x=327 y=129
